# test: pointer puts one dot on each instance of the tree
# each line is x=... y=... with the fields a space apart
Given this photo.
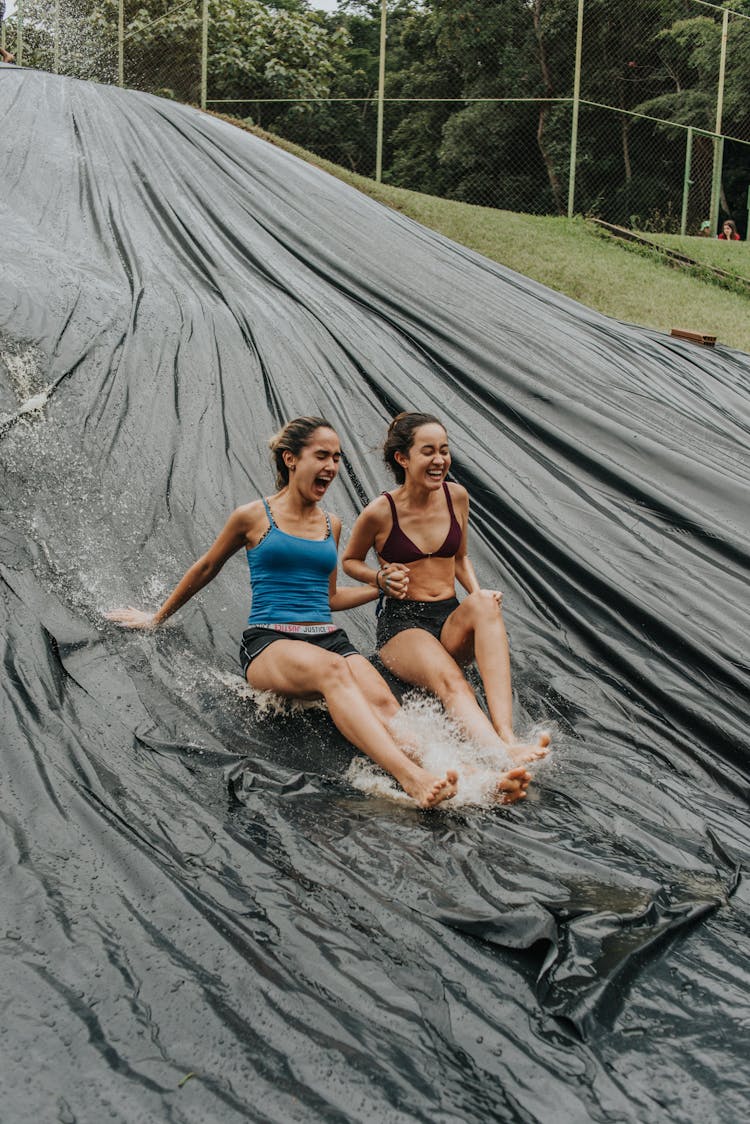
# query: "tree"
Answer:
x=255 y=50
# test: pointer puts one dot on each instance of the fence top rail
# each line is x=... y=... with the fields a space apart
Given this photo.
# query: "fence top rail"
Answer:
x=494 y=101
x=665 y=121
x=374 y=98
x=722 y=8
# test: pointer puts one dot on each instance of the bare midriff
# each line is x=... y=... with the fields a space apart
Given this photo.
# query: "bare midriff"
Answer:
x=431 y=579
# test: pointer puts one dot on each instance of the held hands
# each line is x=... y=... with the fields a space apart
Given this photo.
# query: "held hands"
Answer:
x=132 y=618
x=393 y=580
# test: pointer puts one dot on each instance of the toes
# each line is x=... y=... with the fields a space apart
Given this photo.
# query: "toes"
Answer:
x=434 y=794
x=513 y=785
x=513 y=797
x=442 y=789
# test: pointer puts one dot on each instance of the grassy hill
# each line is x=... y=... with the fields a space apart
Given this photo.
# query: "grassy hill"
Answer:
x=571 y=256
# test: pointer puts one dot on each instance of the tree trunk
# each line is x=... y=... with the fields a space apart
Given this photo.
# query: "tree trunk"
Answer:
x=626 y=123
x=554 y=182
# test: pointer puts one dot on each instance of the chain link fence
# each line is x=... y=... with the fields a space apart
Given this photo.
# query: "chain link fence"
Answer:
x=542 y=107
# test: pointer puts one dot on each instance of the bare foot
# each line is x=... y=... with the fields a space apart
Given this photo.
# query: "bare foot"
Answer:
x=521 y=753
x=512 y=786
x=428 y=790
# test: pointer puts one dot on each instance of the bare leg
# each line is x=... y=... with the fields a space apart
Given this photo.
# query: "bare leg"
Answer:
x=375 y=689
x=418 y=658
x=296 y=669
x=383 y=702
x=476 y=629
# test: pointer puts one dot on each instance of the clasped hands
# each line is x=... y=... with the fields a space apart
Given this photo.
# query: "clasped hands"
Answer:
x=393 y=580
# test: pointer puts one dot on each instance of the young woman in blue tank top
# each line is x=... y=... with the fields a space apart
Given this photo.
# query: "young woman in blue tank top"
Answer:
x=424 y=634
x=291 y=645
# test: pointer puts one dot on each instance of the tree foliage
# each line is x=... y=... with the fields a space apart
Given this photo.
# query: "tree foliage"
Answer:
x=478 y=91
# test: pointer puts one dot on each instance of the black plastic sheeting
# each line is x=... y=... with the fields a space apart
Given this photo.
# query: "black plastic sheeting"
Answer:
x=191 y=888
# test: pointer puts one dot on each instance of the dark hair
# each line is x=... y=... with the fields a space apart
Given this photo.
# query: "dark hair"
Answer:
x=730 y=222
x=400 y=438
x=292 y=439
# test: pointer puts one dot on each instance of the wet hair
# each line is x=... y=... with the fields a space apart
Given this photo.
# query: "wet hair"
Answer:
x=400 y=438
x=292 y=439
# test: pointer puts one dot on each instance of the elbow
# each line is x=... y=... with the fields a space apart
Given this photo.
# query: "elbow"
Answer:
x=205 y=571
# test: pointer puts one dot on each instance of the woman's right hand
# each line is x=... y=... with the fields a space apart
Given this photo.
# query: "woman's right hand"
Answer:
x=394 y=580
x=132 y=618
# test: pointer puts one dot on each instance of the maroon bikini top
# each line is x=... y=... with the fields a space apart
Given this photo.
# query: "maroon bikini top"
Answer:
x=398 y=548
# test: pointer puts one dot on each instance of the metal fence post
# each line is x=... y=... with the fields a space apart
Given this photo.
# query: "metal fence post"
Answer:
x=716 y=181
x=19 y=34
x=687 y=181
x=381 y=94
x=121 y=43
x=56 y=33
x=576 y=105
x=719 y=141
x=204 y=54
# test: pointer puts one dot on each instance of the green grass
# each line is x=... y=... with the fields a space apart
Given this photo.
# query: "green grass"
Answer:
x=734 y=257
x=570 y=256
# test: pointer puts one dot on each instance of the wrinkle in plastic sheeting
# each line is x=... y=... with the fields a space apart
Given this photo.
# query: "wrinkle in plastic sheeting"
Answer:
x=212 y=910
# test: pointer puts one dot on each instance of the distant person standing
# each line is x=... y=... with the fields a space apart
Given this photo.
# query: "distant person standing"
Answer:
x=729 y=231
x=5 y=55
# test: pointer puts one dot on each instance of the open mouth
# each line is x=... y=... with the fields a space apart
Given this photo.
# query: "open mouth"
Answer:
x=320 y=483
x=435 y=473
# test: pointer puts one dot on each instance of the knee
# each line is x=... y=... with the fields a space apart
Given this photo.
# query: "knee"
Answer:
x=483 y=605
x=335 y=673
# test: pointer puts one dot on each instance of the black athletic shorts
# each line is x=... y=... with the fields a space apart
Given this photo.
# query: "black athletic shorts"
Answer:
x=396 y=616
x=256 y=640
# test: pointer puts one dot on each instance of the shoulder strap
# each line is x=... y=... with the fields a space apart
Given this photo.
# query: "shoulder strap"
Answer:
x=271 y=519
x=447 y=491
x=328 y=524
x=389 y=497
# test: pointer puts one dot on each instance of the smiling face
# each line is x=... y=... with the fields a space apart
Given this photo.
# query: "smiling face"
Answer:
x=429 y=458
x=728 y=232
x=317 y=464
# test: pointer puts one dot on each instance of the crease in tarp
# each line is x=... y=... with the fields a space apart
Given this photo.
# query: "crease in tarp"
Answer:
x=210 y=882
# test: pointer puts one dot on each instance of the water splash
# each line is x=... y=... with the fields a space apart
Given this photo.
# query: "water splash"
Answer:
x=438 y=744
x=23 y=372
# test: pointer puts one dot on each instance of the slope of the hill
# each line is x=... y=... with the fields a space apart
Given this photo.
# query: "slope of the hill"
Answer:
x=572 y=258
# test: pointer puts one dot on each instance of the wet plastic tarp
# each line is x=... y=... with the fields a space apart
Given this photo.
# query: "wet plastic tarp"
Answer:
x=204 y=918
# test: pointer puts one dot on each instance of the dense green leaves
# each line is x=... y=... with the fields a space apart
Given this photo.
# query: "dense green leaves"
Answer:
x=478 y=92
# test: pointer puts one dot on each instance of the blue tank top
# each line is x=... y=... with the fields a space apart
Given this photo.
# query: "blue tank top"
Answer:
x=289 y=576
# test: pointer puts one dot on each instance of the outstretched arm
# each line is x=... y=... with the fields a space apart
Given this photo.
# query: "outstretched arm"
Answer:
x=233 y=536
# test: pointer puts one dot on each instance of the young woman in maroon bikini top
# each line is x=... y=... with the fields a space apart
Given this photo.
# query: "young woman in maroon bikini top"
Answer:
x=424 y=634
